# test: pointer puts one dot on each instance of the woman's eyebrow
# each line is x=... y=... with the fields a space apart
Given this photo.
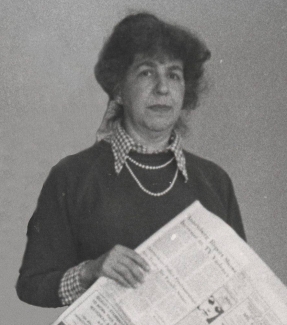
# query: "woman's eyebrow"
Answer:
x=176 y=67
x=152 y=64
x=147 y=63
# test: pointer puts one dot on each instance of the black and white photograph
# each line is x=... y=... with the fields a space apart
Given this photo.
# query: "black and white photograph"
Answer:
x=143 y=162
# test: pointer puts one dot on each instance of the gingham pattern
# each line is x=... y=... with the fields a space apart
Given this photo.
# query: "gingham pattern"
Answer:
x=70 y=288
x=122 y=144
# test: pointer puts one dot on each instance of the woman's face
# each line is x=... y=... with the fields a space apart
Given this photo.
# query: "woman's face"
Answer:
x=152 y=95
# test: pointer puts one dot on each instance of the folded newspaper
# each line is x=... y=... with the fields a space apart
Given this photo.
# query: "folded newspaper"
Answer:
x=202 y=273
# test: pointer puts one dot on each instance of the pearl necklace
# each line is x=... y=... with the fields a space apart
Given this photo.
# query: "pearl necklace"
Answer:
x=150 y=167
x=147 y=191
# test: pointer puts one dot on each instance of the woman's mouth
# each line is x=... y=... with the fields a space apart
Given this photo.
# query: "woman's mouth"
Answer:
x=160 y=108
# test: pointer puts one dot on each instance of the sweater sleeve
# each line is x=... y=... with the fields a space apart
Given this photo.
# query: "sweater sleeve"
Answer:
x=51 y=249
x=218 y=194
x=233 y=211
x=226 y=192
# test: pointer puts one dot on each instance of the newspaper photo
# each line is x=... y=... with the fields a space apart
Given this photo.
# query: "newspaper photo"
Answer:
x=202 y=273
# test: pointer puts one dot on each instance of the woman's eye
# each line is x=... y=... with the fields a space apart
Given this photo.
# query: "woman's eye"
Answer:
x=174 y=76
x=146 y=73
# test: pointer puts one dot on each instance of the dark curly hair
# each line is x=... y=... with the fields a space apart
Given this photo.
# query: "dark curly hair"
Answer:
x=145 y=34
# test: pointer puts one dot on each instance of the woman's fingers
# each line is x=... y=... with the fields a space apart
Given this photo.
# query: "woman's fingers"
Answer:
x=121 y=264
x=127 y=275
x=119 y=278
x=126 y=264
x=137 y=259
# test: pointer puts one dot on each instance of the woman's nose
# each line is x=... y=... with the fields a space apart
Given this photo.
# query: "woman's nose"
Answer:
x=161 y=85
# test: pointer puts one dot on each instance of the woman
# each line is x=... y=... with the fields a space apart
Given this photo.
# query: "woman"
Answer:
x=98 y=205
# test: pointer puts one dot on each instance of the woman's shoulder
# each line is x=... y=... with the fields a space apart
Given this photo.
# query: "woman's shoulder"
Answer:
x=98 y=154
x=209 y=175
x=204 y=167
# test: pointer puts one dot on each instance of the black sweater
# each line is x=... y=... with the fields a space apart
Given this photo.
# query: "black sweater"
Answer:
x=85 y=208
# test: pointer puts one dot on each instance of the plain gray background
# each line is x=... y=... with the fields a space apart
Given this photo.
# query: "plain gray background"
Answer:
x=51 y=106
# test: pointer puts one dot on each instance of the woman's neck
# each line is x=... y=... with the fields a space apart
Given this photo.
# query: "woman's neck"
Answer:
x=153 y=141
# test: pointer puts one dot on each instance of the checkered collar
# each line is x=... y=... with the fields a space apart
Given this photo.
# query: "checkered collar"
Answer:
x=122 y=144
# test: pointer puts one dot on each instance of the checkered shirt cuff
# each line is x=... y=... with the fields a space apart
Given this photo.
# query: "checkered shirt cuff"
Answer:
x=70 y=288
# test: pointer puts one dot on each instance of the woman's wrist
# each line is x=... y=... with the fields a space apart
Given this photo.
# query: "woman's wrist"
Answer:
x=86 y=276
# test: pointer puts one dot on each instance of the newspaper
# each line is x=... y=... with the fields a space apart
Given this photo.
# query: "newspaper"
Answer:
x=202 y=273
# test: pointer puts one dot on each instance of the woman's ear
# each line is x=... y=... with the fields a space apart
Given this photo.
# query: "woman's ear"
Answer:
x=118 y=99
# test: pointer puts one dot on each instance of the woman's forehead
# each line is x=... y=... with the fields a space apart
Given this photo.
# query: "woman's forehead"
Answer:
x=145 y=59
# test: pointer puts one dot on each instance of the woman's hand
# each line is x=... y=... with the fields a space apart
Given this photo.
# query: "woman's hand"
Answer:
x=121 y=264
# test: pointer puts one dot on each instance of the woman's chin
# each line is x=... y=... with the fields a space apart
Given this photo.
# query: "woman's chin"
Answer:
x=160 y=125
